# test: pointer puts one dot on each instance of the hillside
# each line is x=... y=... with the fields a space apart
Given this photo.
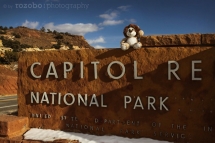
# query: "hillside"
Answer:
x=22 y=37
x=44 y=40
x=8 y=80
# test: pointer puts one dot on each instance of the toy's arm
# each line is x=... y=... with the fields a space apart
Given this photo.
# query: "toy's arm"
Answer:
x=123 y=40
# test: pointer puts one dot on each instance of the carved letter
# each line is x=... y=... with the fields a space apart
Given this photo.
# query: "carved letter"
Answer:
x=53 y=94
x=59 y=98
x=109 y=73
x=140 y=103
x=73 y=99
x=32 y=71
x=96 y=120
x=151 y=103
x=135 y=71
x=95 y=101
x=125 y=101
x=95 y=69
x=172 y=70
x=65 y=69
x=36 y=99
x=80 y=98
x=194 y=70
x=45 y=98
x=51 y=66
x=102 y=102
x=81 y=69
x=162 y=103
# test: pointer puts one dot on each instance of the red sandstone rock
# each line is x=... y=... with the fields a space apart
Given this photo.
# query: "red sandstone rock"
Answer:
x=6 y=140
x=11 y=126
x=171 y=40
x=189 y=102
x=208 y=39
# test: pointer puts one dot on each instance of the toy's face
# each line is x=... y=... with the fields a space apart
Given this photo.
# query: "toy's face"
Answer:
x=131 y=32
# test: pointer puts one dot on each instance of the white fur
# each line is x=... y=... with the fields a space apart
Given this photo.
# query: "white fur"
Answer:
x=137 y=45
x=141 y=32
x=131 y=34
x=131 y=41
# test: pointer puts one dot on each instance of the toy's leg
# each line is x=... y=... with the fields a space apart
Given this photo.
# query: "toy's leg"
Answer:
x=125 y=46
x=137 y=45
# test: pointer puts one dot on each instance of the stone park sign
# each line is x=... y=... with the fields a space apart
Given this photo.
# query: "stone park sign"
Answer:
x=164 y=93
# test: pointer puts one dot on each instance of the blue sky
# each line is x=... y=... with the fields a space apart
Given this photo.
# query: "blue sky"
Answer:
x=101 y=22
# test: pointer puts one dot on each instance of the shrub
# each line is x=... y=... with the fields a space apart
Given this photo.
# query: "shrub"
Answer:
x=16 y=35
x=25 y=46
x=58 y=36
x=57 y=46
x=55 y=32
x=2 y=32
x=5 y=28
x=3 y=61
x=69 y=45
x=9 y=57
x=43 y=29
x=15 y=45
x=66 y=33
x=49 y=31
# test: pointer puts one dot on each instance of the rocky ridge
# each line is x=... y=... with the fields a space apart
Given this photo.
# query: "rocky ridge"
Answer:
x=8 y=76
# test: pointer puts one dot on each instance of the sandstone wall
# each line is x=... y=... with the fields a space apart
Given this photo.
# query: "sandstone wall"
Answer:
x=123 y=106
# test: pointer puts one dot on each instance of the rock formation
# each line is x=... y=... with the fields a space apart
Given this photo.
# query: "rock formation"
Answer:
x=144 y=100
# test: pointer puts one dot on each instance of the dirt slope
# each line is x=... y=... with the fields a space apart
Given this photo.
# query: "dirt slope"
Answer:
x=40 y=39
x=8 y=81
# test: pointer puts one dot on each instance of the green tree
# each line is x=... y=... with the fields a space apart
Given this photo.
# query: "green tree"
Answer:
x=43 y=29
x=10 y=57
x=3 y=61
x=5 y=28
x=57 y=46
x=25 y=46
x=15 y=45
x=69 y=45
x=66 y=33
x=2 y=32
x=55 y=32
x=49 y=31
x=16 y=35
x=58 y=36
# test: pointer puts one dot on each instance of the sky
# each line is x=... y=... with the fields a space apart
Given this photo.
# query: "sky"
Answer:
x=101 y=22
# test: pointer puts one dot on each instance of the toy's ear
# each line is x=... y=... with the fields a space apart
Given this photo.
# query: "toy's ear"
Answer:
x=138 y=30
x=141 y=33
x=125 y=31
